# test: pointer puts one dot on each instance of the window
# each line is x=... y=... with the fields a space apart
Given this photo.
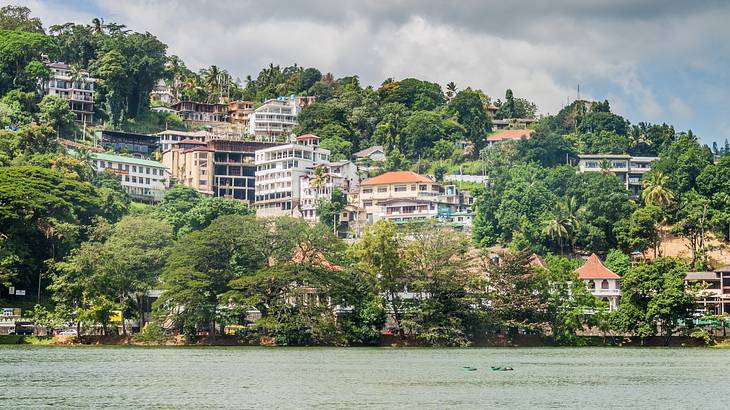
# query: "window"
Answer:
x=383 y=188
x=126 y=167
x=401 y=188
x=134 y=168
x=147 y=181
x=367 y=203
x=147 y=170
x=604 y=284
x=422 y=187
x=367 y=190
x=413 y=187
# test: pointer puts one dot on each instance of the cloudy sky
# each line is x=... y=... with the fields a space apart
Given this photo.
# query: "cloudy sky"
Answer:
x=654 y=60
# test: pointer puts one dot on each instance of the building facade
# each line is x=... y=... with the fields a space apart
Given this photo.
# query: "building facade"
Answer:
x=201 y=112
x=143 y=180
x=169 y=137
x=142 y=145
x=275 y=119
x=239 y=112
x=280 y=171
x=77 y=87
x=221 y=168
x=630 y=170
x=601 y=281
x=339 y=175
x=714 y=297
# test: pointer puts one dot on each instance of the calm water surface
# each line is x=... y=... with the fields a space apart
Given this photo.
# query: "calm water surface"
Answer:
x=581 y=378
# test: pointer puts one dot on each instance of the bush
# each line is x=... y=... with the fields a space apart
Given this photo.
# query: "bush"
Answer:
x=151 y=333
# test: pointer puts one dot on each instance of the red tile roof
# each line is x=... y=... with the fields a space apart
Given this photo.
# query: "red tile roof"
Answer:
x=307 y=137
x=397 y=177
x=506 y=135
x=190 y=142
x=595 y=269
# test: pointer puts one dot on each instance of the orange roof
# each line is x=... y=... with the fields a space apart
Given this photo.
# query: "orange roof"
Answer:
x=537 y=262
x=307 y=137
x=397 y=177
x=505 y=135
x=595 y=269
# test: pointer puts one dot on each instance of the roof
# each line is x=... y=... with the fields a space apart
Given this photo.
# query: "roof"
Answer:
x=397 y=177
x=307 y=137
x=190 y=142
x=368 y=151
x=185 y=133
x=604 y=156
x=595 y=269
x=709 y=276
x=507 y=135
x=59 y=64
x=725 y=268
x=536 y=261
x=127 y=160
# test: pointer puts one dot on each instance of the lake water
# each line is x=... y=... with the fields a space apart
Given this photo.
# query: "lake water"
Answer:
x=251 y=377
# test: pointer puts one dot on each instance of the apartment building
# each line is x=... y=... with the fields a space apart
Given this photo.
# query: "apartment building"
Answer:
x=143 y=179
x=169 y=137
x=223 y=168
x=141 y=145
x=77 y=87
x=275 y=119
x=279 y=172
x=239 y=112
x=339 y=175
x=628 y=169
x=201 y=112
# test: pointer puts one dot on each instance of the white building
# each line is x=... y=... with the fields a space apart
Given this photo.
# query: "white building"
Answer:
x=275 y=119
x=340 y=175
x=169 y=137
x=629 y=169
x=75 y=86
x=279 y=172
x=143 y=179
x=601 y=281
x=162 y=92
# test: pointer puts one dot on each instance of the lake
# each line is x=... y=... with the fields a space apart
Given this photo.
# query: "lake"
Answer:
x=253 y=377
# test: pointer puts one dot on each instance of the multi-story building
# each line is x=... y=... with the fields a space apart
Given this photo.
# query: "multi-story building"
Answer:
x=341 y=175
x=222 y=168
x=201 y=112
x=601 y=281
x=629 y=169
x=279 y=172
x=276 y=118
x=143 y=179
x=75 y=86
x=169 y=137
x=240 y=111
x=142 y=145
x=714 y=295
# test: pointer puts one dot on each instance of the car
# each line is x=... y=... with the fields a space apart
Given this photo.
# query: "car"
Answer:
x=67 y=332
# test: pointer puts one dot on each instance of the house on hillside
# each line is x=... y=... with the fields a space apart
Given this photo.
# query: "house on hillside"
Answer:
x=630 y=170
x=601 y=281
x=509 y=135
x=714 y=298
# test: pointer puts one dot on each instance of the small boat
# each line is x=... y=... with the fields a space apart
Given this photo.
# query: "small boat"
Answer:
x=502 y=369
x=470 y=369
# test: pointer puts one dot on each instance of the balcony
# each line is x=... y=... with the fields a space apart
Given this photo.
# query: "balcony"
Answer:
x=605 y=292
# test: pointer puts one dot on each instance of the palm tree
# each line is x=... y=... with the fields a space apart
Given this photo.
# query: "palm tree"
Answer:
x=563 y=222
x=655 y=191
x=450 y=89
x=212 y=79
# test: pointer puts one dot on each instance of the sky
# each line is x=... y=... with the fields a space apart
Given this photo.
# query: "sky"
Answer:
x=654 y=60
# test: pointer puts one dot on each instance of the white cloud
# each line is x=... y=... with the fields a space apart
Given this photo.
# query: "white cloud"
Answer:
x=680 y=109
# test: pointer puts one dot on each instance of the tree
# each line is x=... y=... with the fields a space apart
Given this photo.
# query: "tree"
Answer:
x=200 y=266
x=423 y=129
x=562 y=223
x=513 y=291
x=18 y=18
x=18 y=49
x=640 y=231
x=450 y=308
x=655 y=190
x=378 y=256
x=450 y=90
x=56 y=112
x=654 y=298
x=693 y=223
x=469 y=111
x=329 y=210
